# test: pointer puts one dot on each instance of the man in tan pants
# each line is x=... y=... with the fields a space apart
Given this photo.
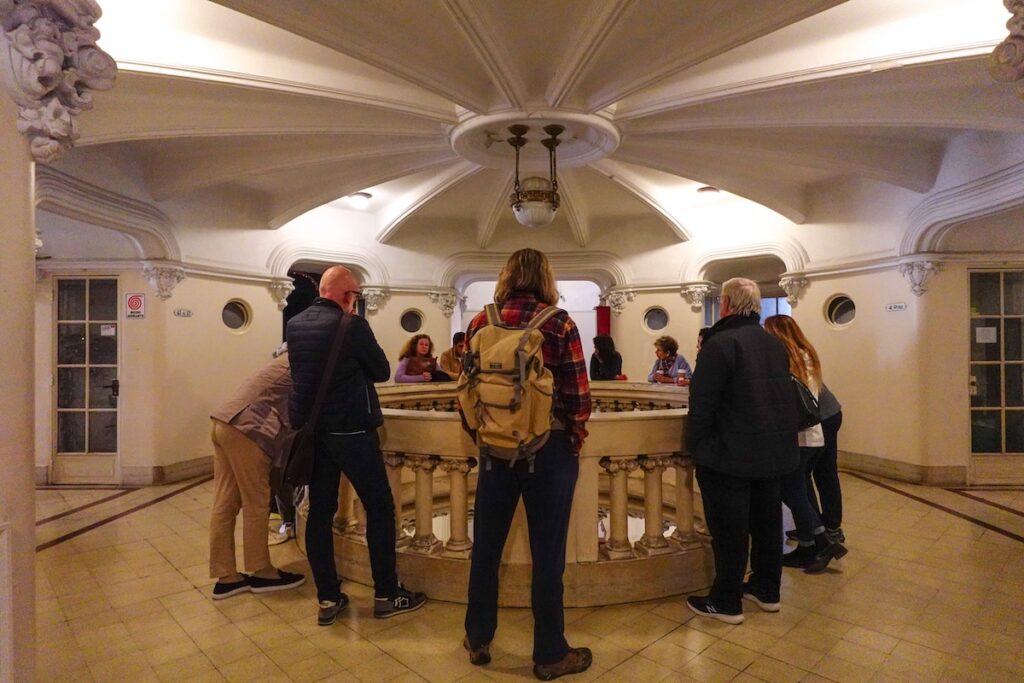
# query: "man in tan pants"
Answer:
x=245 y=437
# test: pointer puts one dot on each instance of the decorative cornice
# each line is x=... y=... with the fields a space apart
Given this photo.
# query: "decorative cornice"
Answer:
x=696 y=292
x=617 y=299
x=1006 y=63
x=280 y=288
x=791 y=253
x=602 y=267
x=65 y=195
x=50 y=65
x=284 y=256
x=374 y=297
x=447 y=300
x=917 y=273
x=163 y=278
x=793 y=286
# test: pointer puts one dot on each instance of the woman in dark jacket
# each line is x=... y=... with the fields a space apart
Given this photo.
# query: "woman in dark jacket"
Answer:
x=605 y=362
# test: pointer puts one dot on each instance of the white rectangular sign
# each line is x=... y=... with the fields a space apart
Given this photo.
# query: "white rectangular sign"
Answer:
x=898 y=306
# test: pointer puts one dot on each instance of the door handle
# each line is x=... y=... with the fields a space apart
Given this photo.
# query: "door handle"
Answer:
x=114 y=386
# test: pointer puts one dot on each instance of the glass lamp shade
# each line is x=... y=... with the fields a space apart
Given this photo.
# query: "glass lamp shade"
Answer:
x=535 y=205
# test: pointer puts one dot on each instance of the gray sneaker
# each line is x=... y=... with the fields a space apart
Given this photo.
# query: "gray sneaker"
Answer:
x=402 y=601
x=329 y=610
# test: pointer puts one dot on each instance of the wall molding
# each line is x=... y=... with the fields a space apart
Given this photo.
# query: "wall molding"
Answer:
x=370 y=266
x=928 y=475
x=146 y=475
x=792 y=254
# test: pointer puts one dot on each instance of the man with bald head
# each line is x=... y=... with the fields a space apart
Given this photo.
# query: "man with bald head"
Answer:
x=346 y=442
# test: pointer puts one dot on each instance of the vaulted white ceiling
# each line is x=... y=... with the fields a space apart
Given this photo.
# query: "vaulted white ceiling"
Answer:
x=289 y=105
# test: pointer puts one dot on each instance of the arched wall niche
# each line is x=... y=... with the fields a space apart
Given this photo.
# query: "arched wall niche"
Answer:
x=603 y=268
x=791 y=254
x=764 y=270
x=67 y=239
x=370 y=268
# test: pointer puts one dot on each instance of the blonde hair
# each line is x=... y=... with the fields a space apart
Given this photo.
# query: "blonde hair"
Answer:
x=409 y=348
x=527 y=270
x=744 y=296
x=786 y=329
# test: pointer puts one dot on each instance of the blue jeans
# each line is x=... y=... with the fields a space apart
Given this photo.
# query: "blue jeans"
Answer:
x=794 y=495
x=358 y=456
x=547 y=494
x=826 y=476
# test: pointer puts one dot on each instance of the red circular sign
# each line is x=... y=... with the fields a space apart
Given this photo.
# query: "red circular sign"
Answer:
x=134 y=302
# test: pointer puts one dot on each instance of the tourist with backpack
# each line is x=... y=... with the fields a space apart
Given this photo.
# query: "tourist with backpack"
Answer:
x=524 y=393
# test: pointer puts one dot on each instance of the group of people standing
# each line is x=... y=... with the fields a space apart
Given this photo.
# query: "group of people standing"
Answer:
x=750 y=456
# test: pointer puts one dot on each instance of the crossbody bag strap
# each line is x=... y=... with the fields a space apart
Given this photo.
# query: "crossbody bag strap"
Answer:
x=332 y=362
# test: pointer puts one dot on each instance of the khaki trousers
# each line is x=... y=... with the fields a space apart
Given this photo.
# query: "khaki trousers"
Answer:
x=241 y=481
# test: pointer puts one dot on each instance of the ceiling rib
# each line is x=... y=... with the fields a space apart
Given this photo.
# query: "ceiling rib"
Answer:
x=400 y=210
x=485 y=39
x=487 y=223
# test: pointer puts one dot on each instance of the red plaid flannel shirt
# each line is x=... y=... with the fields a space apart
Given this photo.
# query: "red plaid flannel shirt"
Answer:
x=563 y=355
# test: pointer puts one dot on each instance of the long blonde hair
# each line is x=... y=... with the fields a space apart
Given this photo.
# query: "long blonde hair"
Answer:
x=409 y=349
x=786 y=329
x=527 y=270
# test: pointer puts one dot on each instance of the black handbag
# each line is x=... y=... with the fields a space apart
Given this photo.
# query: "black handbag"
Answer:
x=808 y=412
x=293 y=461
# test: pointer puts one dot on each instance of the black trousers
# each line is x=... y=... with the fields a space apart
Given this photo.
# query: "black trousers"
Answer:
x=796 y=497
x=358 y=456
x=826 y=476
x=547 y=494
x=743 y=514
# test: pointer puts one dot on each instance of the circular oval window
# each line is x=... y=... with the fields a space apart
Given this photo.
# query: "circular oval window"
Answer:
x=236 y=315
x=656 y=319
x=412 y=321
x=840 y=310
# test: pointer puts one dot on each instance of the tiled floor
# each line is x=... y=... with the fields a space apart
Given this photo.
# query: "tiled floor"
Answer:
x=924 y=595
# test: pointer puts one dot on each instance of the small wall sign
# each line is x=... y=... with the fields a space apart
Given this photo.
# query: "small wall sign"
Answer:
x=898 y=306
x=135 y=305
x=183 y=312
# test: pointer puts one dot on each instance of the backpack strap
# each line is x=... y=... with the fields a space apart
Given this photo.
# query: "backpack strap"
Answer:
x=543 y=317
x=493 y=315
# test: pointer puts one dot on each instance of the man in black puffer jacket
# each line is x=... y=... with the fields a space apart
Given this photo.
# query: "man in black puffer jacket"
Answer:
x=742 y=433
x=346 y=442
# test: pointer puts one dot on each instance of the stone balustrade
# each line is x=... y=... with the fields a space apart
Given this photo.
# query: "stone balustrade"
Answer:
x=633 y=464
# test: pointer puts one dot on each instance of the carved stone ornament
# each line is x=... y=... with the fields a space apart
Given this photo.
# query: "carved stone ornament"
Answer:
x=163 y=278
x=447 y=300
x=279 y=290
x=49 y=65
x=793 y=286
x=617 y=299
x=615 y=465
x=374 y=297
x=459 y=465
x=1006 y=63
x=696 y=293
x=917 y=273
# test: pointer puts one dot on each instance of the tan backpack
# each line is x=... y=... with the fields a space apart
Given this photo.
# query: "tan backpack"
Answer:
x=504 y=390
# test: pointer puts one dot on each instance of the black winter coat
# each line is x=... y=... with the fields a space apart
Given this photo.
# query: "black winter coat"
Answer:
x=351 y=403
x=743 y=418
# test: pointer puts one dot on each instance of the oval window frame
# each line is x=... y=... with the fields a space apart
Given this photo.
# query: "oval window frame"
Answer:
x=833 y=305
x=647 y=325
x=246 y=315
x=414 y=311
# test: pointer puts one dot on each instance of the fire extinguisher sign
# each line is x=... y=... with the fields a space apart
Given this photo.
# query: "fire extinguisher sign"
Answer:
x=135 y=305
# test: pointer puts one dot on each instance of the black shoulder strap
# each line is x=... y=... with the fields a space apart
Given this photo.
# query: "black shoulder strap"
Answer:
x=332 y=362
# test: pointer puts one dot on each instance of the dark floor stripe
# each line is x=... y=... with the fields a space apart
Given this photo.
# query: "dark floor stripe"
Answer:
x=84 y=507
x=955 y=513
x=986 y=501
x=119 y=515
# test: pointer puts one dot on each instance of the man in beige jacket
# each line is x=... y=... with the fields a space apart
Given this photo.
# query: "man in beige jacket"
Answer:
x=245 y=437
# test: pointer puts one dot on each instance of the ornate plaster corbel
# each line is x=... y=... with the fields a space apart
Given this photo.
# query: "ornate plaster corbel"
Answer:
x=50 y=65
x=163 y=278
x=374 y=297
x=793 y=286
x=447 y=300
x=696 y=292
x=617 y=299
x=917 y=273
x=279 y=290
x=1006 y=63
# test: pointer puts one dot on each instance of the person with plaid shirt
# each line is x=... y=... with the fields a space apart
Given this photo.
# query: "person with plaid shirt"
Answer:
x=526 y=286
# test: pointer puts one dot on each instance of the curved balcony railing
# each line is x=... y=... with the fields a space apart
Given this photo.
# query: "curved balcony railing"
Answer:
x=634 y=472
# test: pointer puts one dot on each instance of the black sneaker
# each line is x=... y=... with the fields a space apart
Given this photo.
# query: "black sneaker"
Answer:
x=223 y=590
x=329 y=610
x=478 y=656
x=833 y=551
x=800 y=558
x=399 y=603
x=758 y=598
x=836 y=535
x=703 y=607
x=576 y=660
x=284 y=581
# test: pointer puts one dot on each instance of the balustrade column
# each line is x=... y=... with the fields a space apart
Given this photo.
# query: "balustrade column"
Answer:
x=359 y=530
x=394 y=463
x=653 y=541
x=617 y=546
x=345 y=517
x=424 y=540
x=458 y=544
x=685 y=534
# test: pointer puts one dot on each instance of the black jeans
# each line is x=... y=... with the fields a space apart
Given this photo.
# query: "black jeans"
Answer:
x=743 y=514
x=826 y=476
x=547 y=494
x=358 y=456
x=795 y=496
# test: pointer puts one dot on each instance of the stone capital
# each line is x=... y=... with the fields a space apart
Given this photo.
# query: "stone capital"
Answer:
x=793 y=286
x=615 y=465
x=427 y=463
x=50 y=65
x=447 y=300
x=1006 y=63
x=457 y=465
x=279 y=291
x=649 y=463
x=917 y=273
x=394 y=460
x=695 y=292
x=163 y=278
x=617 y=299
x=374 y=297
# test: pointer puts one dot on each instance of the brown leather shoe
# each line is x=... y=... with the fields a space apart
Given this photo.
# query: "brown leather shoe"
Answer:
x=576 y=660
x=477 y=655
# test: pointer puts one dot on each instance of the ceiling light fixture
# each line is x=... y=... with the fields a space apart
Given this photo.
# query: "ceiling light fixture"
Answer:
x=359 y=200
x=535 y=200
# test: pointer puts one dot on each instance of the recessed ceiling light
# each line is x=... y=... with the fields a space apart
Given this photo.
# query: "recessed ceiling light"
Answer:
x=707 y=188
x=359 y=200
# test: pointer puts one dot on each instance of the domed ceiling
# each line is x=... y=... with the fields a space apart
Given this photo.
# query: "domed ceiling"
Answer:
x=279 y=107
